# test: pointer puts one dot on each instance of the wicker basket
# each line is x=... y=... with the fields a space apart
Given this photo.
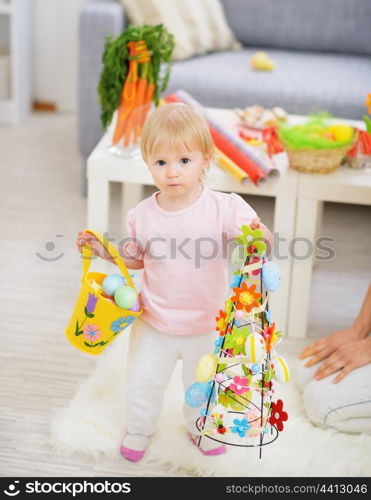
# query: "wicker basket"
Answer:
x=316 y=161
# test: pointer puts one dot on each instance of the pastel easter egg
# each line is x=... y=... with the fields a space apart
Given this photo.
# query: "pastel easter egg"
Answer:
x=280 y=369
x=342 y=132
x=255 y=347
x=255 y=368
x=136 y=307
x=111 y=283
x=271 y=276
x=206 y=368
x=125 y=297
x=197 y=394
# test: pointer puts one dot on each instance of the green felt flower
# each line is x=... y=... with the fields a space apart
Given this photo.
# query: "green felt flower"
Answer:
x=237 y=340
x=252 y=240
x=229 y=399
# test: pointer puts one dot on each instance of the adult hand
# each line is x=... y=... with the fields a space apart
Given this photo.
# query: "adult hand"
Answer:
x=324 y=347
x=346 y=358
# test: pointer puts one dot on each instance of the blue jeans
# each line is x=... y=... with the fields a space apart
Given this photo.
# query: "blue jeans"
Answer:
x=345 y=406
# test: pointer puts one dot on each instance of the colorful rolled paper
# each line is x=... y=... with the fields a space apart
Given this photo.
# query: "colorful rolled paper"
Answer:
x=231 y=167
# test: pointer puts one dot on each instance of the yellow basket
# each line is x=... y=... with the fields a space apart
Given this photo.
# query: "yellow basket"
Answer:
x=96 y=321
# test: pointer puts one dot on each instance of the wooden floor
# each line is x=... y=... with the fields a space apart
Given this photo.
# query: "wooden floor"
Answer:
x=41 y=212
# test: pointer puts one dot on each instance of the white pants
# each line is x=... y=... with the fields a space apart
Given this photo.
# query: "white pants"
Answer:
x=345 y=406
x=151 y=361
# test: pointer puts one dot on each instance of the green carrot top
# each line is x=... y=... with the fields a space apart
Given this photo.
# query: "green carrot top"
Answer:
x=116 y=56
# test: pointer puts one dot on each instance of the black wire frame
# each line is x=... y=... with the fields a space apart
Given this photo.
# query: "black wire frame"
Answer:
x=230 y=325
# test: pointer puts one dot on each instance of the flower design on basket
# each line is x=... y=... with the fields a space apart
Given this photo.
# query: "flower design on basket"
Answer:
x=91 y=332
x=91 y=303
x=245 y=297
x=278 y=416
x=239 y=385
x=221 y=322
x=121 y=323
x=252 y=239
x=240 y=427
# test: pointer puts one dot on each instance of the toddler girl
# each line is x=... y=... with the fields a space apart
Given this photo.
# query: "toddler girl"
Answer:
x=179 y=237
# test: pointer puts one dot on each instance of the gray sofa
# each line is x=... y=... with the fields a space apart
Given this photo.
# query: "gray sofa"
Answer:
x=322 y=49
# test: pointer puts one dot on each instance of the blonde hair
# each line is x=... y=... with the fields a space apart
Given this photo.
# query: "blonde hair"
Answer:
x=176 y=126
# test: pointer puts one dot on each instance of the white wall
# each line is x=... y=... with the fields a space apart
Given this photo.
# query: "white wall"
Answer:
x=55 y=51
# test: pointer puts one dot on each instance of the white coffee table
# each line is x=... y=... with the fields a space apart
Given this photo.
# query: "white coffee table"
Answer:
x=104 y=168
x=345 y=185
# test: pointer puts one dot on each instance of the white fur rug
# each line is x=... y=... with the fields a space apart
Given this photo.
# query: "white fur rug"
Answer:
x=92 y=426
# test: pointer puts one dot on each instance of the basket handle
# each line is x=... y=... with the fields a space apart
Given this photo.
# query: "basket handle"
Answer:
x=87 y=254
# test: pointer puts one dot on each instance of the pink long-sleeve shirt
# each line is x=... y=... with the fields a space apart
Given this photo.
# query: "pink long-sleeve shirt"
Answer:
x=184 y=254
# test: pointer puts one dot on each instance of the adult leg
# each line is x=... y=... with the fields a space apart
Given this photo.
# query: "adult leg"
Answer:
x=345 y=406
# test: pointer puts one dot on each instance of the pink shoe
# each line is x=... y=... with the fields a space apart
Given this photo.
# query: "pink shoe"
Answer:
x=132 y=455
x=218 y=450
x=135 y=448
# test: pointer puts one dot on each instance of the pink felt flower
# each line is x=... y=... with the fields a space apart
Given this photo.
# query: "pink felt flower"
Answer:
x=92 y=332
x=239 y=385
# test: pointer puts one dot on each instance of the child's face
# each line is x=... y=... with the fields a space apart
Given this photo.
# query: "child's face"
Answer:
x=176 y=173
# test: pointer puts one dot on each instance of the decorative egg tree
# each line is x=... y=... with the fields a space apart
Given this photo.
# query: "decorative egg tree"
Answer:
x=235 y=383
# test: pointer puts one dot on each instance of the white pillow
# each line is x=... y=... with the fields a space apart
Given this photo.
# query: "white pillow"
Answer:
x=199 y=26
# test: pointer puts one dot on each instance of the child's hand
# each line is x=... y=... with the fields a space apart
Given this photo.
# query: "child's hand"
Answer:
x=132 y=250
x=84 y=238
x=255 y=223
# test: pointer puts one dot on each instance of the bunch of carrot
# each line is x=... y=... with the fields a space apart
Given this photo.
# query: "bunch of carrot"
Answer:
x=136 y=70
x=136 y=95
x=362 y=144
